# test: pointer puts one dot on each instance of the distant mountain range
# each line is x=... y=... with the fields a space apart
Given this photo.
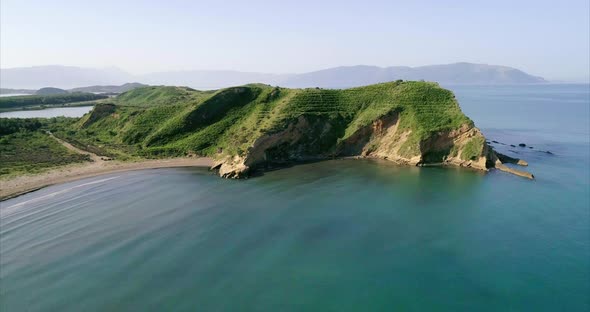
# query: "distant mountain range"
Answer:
x=68 y=77
x=64 y=77
x=458 y=73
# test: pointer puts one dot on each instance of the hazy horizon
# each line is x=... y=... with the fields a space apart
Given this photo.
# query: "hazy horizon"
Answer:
x=265 y=37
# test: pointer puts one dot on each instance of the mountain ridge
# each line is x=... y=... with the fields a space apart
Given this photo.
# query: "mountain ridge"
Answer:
x=70 y=77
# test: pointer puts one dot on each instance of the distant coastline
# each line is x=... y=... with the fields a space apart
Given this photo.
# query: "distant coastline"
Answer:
x=68 y=77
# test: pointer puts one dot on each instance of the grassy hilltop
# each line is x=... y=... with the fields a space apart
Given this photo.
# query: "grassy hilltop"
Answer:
x=256 y=125
x=177 y=121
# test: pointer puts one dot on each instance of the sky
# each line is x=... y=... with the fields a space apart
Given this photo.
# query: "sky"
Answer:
x=545 y=38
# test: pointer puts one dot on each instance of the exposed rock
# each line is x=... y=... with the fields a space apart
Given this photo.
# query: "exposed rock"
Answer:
x=233 y=168
x=522 y=145
x=507 y=159
x=381 y=139
x=502 y=167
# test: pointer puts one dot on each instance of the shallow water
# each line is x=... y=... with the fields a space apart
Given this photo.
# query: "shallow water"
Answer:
x=344 y=235
x=77 y=111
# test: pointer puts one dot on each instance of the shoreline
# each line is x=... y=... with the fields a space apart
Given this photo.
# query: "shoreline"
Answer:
x=20 y=185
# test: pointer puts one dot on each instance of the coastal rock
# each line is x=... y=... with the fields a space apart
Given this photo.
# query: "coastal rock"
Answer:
x=381 y=139
x=507 y=159
x=232 y=168
x=498 y=165
x=312 y=136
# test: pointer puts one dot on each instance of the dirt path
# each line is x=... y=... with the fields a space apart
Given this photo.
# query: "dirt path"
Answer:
x=69 y=146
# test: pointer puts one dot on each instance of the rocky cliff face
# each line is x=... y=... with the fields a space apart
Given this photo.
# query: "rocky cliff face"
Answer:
x=383 y=138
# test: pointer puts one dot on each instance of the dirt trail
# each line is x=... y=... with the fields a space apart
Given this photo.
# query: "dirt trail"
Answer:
x=69 y=146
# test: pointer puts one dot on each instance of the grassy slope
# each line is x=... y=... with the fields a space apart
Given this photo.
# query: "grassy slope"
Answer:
x=167 y=121
x=26 y=148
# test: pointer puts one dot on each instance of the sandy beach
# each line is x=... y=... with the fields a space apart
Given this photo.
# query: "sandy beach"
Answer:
x=19 y=185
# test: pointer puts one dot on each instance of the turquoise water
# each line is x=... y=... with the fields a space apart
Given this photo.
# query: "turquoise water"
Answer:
x=343 y=235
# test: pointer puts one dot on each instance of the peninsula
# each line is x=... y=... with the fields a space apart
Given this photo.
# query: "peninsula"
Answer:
x=256 y=127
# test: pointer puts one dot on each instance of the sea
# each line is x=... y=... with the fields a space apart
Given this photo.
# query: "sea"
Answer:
x=339 y=235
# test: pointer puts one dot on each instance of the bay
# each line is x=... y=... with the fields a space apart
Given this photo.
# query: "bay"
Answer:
x=341 y=235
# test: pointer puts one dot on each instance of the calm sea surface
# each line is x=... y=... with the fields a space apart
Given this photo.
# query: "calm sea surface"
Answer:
x=340 y=235
x=77 y=111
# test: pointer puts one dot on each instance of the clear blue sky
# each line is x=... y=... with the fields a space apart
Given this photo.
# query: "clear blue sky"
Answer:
x=547 y=38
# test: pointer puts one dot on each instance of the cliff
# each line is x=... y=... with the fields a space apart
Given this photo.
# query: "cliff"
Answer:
x=255 y=127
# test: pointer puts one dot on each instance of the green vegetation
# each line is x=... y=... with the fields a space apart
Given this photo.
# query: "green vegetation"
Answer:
x=157 y=96
x=164 y=121
x=473 y=148
x=27 y=101
x=25 y=147
x=176 y=121
x=13 y=125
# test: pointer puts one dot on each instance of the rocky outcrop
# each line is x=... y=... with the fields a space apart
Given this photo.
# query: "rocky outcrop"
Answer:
x=311 y=138
x=232 y=167
x=507 y=159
